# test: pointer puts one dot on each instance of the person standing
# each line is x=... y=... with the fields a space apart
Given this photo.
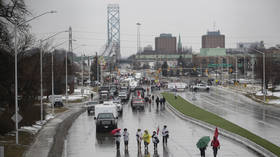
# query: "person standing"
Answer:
x=202 y=151
x=125 y=138
x=147 y=139
x=139 y=139
x=165 y=134
x=118 y=139
x=163 y=101
x=215 y=145
x=155 y=140
x=160 y=101
x=153 y=98
x=157 y=101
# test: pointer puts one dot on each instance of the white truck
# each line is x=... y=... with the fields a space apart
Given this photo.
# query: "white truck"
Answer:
x=106 y=116
x=198 y=87
x=57 y=100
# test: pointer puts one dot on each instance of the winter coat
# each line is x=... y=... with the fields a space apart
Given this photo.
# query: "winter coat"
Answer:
x=215 y=143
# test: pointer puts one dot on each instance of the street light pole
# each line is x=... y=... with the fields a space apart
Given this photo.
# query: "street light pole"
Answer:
x=52 y=87
x=41 y=79
x=16 y=84
x=16 y=77
x=264 y=88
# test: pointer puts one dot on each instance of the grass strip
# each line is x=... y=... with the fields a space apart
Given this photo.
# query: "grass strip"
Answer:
x=193 y=111
x=13 y=150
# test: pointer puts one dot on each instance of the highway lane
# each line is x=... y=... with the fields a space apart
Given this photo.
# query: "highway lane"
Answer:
x=83 y=141
x=259 y=119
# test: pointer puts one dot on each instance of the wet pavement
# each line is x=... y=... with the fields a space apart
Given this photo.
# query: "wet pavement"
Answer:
x=257 y=118
x=83 y=141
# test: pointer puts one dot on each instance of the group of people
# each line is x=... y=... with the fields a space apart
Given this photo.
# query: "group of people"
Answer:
x=145 y=137
x=160 y=101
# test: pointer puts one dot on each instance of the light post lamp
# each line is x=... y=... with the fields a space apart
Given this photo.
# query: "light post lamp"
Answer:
x=264 y=88
x=53 y=48
x=41 y=70
x=16 y=78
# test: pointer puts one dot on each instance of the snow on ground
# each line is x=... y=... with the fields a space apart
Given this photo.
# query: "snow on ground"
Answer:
x=277 y=87
x=259 y=93
x=86 y=91
x=276 y=102
x=269 y=93
x=74 y=97
x=277 y=94
x=37 y=126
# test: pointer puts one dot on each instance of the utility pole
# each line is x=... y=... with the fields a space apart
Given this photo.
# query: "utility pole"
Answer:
x=41 y=79
x=82 y=74
x=236 y=69
x=89 y=70
x=66 y=62
x=96 y=63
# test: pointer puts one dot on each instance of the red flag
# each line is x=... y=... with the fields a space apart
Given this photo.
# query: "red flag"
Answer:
x=216 y=133
x=138 y=93
x=157 y=130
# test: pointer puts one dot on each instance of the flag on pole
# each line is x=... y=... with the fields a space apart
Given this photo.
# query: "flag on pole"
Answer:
x=216 y=133
x=157 y=130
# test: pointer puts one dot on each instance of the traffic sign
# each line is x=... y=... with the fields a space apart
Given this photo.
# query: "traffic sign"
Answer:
x=14 y=118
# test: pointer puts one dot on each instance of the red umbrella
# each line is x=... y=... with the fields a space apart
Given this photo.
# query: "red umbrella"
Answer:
x=216 y=133
x=115 y=131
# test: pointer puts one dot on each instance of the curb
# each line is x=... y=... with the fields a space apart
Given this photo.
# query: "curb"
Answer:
x=255 y=147
x=61 y=133
x=48 y=141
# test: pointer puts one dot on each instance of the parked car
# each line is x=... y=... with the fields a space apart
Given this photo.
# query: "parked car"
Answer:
x=90 y=105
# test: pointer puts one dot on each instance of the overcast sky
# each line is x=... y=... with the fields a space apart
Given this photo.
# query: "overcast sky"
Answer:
x=239 y=20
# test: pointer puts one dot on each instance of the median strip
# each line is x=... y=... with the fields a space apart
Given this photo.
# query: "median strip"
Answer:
x=193 y=111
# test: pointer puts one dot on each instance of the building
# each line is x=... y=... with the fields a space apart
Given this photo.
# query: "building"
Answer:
x=165 y=43
x=213 y=39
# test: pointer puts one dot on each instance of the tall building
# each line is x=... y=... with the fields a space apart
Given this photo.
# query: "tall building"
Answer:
x=213 y=39
x=165 y=43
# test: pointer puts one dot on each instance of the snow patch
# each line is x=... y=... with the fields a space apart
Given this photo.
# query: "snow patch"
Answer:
x=277 y=87
x=277 y=94
x=259 y=93
x=277 y=102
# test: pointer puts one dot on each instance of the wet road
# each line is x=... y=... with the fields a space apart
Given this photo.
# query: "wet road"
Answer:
x=83 y=141
x=261 y=120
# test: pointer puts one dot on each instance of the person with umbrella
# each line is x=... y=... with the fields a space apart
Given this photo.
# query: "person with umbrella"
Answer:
x=147 y=139
x=202 y=144
x=117 y=135
x=139 y=139
x=125 y=138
